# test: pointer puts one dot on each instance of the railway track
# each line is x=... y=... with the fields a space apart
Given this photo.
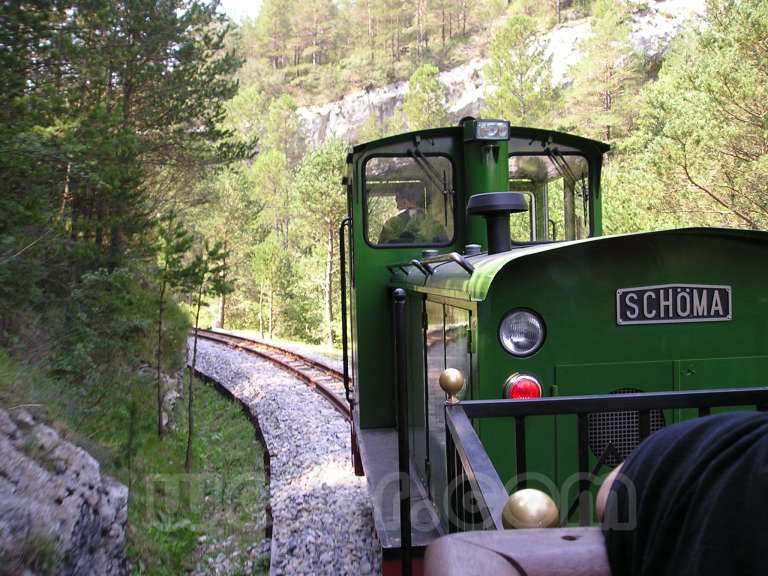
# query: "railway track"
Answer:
x=327 y=381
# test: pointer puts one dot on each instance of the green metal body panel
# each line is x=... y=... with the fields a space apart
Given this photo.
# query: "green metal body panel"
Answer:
x=372 y=348
x=486 y=170
x=479 y=167
x=453 y=316
x=573 y=287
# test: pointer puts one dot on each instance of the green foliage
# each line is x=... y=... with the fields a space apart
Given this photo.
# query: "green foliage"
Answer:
x=245 y=113
x=210 y=270
x=281 y=128
x=99 y=102
x=371 y=130
x=319 y=49
x=169 y=512
x=323 y=202
x=108 y=321
x=286 y=261
x=41 y=554
x=606 y=79
x=108 y=333
x=425 y=103
x=397 y=123
x=175 y=242
x=522 y=74
x=701 y=134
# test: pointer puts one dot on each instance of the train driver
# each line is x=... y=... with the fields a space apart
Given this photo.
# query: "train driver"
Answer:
x=691 y=500
x=412 y=224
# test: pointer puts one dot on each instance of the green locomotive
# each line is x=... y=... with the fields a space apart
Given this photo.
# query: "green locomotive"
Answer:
x=498 y=249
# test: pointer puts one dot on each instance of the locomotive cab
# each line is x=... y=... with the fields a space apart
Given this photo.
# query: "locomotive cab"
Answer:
x=408 y=199
x=491 y=236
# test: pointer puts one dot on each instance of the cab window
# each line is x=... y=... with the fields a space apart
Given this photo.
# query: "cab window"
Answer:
x=409 y=201
x=557 y=188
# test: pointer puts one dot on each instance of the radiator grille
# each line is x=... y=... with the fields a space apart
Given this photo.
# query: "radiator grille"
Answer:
x=620 y=428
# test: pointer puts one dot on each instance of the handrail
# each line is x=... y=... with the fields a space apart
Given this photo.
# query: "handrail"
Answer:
x=403 y=452
x=451 y=256
x=560 y=405
x=424 y=267
x=403 y=267
x=486 y=486
x=346 y=223
x=426 y=270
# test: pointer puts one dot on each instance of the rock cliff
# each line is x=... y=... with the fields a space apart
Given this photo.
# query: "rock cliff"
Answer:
x=58 y=513
x=654 y=26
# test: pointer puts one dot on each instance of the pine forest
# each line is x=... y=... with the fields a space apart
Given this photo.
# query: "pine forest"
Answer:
x=155 y=168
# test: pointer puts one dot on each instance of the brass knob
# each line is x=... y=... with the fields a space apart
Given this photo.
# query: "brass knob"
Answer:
x=529 y=508
x=451 y=381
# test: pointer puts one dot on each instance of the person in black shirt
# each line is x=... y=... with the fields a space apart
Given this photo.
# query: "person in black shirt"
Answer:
x=692 y=499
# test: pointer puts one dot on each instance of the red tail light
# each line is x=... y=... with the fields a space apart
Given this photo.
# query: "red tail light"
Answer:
x=522 y=387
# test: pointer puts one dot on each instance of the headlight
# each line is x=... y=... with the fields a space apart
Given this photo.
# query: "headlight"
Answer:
x=492 y=130
x=521 y=332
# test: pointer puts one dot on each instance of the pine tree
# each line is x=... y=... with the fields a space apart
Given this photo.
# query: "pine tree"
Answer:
x=175 y=242
x=521 y=73
x=608 y=75
x=323 y=202
x=274 y=28
x=208 y=277
x=702 y=129
x=425 y=103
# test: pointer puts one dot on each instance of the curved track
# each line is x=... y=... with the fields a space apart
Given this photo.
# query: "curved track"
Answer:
x=328 y=381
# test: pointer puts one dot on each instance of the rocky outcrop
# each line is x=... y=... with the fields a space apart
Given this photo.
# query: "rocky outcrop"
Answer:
x=345 y=117
x=172 y=390
x=654 y=26
x=58 y=513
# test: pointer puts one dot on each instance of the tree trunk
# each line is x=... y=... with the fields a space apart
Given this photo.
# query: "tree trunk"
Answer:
x=442 y=30
x=160 y=355
x=371 y=32
x=219 y=323
x=99 y=236
x=397 y=35
x=261 y=307
x=116 y=239
x=328 y=285
x=314 y=40
x=190 y=413
x=131 y=438
x=271 y=296
x=65 y=194
x=220 y=312
x=420 y=28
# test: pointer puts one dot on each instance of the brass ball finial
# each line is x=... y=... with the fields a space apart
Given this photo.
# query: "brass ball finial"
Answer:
x=529 y=508
x=451 y=381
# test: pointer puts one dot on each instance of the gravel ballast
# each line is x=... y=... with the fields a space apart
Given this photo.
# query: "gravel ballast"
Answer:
x=322 y=518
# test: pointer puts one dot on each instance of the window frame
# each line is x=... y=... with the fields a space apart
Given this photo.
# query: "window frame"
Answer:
x=364 y=200
x=545 y=207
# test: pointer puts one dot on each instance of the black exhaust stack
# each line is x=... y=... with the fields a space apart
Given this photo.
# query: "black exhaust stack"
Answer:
x=496 y=207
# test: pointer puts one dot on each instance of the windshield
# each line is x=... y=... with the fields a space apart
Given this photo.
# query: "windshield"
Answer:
x=409 y=200
x=556 y=184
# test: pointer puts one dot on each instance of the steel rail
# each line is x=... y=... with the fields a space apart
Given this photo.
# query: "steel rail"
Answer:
x=305 y=369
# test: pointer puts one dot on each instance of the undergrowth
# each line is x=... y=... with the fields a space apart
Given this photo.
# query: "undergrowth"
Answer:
x=95 y=385
x=174 y=518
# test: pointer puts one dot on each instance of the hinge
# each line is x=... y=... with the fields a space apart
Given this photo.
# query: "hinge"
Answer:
x=469 y=340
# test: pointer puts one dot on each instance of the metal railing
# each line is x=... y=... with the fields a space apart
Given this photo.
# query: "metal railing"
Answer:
x=478 y=495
